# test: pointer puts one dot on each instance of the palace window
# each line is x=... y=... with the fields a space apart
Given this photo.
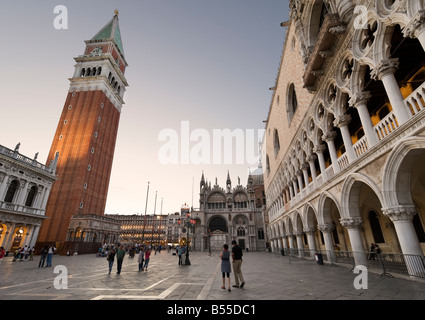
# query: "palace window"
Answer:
x=292 y=103
x=31 y=196
x=10 y=194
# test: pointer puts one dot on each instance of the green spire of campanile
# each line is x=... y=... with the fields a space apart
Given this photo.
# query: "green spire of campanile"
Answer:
x=111 y=31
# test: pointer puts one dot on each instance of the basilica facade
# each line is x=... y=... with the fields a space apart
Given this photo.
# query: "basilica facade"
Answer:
x=230 y=213
x=344 y=145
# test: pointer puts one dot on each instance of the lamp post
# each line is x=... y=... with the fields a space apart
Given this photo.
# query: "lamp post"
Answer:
x=187 y=224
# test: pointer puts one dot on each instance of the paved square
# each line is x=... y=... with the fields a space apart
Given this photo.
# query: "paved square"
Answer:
x=268 y=276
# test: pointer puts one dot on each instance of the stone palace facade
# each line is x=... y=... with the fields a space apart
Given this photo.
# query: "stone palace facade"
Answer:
x=344 y=147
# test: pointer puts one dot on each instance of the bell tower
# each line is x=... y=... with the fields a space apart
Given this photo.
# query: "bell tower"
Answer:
x=86 y=134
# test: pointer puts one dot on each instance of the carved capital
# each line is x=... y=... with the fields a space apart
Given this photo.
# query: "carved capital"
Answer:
x=326 y=227
x=342 y=120
x=352 y=223
x=359 y=98
x=400 y=213
x=319 y=148
x=329 y=136
x=384 y=67
x=311 y=158
x=415 y=26
x=310 y=230
x=299 y=233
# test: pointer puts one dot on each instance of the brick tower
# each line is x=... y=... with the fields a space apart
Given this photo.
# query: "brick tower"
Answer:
x=86 y=134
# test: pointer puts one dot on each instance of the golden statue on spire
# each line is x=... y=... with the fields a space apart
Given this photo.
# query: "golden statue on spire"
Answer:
x=116 y=12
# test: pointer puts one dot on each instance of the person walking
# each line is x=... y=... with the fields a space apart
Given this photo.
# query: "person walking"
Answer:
x=237 y=265
x=120 y=258
x=147 y=257
x=2 y=254
x=225 y=266
x=111 y=257
x=43 y=255
x=141 y=258
x=181 y=251
x=32 y=252
x=50 y=252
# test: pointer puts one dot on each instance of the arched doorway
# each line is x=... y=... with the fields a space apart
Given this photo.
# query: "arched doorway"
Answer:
x=218 y=232
x=18 y=237
x=404 y=186
x=333 y=234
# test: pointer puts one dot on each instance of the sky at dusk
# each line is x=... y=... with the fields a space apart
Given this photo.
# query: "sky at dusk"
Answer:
x=206 y=65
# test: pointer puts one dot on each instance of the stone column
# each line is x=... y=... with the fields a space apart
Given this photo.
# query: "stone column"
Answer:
x=342 y=123
x=311 y=240
x=295 y=184
x=23 y=194
x=329 y=137
x=291 y=243
x=329 y=243
x=353 y=226
x=3 y=187
x=402 y=217
x=300 y=244
x=319 y=149
x=304 y=167
x=416 y=28
x=291 y=189
x=7 y=242
x=311 y=159
x=359 y=101
x=300 y=181
x=285 y=244
x=384 y=71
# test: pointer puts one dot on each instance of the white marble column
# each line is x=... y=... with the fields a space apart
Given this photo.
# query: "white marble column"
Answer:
x=359 y=101
x=384 y=71
x=311 y=240
x=416 y=28
x=329 y=137
x=291 y=243
x=342 y=123
x=402 y=217
x=304 y=167
x=319 y=149
x=311 y=159
x=329 y=244
x=23 y=192
x=300 y=243
x=3 y=187
x=353 y=226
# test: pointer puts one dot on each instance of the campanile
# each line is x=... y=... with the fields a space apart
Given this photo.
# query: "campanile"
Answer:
x=86 y=134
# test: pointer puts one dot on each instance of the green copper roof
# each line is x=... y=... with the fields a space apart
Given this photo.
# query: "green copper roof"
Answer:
x=111 y=31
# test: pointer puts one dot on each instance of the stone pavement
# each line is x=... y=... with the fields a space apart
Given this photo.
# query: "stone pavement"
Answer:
x=268 y=276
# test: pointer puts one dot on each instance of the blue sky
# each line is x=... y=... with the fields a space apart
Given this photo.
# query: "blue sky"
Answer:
x=207 y=62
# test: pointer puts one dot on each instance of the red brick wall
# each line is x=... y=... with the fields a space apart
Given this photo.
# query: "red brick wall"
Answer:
x=78 y=138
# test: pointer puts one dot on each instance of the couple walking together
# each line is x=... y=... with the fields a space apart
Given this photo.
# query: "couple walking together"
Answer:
x=237 y=263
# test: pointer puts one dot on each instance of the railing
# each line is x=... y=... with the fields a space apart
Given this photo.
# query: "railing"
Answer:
x=329 y=172
x=388 y=263
x=21 y=208
x=343 y=161
x=14 y=154
x=361 y=146
x=386 y=126
x=416 y=101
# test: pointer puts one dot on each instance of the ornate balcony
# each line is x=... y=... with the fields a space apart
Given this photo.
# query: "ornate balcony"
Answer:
x=322 y=50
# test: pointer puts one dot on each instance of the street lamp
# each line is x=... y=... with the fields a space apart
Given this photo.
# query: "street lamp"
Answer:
x=186 y=225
